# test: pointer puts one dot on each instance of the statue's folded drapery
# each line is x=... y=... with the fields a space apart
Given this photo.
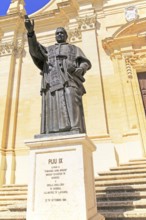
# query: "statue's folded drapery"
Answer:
x=61 y=89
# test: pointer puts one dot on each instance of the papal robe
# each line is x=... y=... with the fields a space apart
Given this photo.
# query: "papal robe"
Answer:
x=61 y=89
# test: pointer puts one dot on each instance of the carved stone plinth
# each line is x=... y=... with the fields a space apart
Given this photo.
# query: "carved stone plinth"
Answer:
x=61 y=182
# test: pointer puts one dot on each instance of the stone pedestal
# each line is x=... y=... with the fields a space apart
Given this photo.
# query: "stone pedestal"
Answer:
x=61 y=185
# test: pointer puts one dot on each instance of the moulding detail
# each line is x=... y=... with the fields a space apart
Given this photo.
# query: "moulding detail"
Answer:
x=87 y=22
x=137 y=60
x=83 y=23
x=6 y=48
x=74 y=35
x=128 y=67
x=117 y=55
x=10 y=47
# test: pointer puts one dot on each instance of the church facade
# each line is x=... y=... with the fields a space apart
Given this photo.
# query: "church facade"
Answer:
x=112 y=35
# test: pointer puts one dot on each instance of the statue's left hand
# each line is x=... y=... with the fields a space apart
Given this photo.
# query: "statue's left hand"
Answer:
x=79 y=73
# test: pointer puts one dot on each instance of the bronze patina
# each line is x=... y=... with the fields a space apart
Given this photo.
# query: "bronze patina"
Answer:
x=62 y=66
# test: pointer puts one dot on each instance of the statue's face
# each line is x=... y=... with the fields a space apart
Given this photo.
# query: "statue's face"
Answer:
x=60 y=35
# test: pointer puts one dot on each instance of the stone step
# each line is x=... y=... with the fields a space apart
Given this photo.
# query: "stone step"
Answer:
x=14 y=208
x=122 y=172
x=119 y=195
x=136 y=214
x=9 y=202
x=121 y=188
x=14 y=185
x=13 y=216
x=7 y=193
x=129 y=203
x=120 y=182
x=18 y=207
x=121 y=192
x=137 y=160
x=124 y=176
x=126 y=167
x=3 y=209
x=133 y=163
x=13 y=197
x=12 y=189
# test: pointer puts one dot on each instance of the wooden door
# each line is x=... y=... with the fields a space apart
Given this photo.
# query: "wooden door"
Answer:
x=142 y=85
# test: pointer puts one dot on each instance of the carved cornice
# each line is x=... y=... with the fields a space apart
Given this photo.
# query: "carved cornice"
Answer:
x=74 y=35
x=10 y=47
x=87 y=22
x=129 y=37
x=137 y=61
x=6 y=48
x=83 y=23
x=131 y=28
x=117 y=55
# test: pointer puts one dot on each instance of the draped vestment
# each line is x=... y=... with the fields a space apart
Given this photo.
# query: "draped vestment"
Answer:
x=61 y=89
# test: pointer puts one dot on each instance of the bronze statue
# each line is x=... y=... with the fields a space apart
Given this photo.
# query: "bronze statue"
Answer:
x=62 y=68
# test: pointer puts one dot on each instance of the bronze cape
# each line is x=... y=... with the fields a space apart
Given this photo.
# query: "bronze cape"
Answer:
x=61 y=89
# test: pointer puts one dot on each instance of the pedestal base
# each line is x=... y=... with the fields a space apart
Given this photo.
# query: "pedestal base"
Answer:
x=61 y=179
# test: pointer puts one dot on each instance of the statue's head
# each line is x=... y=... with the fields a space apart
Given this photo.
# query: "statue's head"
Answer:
x=61 y=35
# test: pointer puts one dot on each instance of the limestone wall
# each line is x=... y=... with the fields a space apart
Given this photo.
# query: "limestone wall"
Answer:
x=114 y=113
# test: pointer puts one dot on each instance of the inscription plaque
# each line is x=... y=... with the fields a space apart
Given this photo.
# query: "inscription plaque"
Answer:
x=54 y=182
x=56 y=189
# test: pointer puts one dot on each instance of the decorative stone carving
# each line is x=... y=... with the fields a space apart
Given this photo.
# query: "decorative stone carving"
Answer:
x=9 y=48
x=131 y=13
x=84 y=23
x=6 y=48
x=87 y=22
x=128 y=68
x=117 y=56
x=74 y=35
x=137 y=61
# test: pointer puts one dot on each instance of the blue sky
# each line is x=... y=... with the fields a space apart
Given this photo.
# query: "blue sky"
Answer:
x=30 y=5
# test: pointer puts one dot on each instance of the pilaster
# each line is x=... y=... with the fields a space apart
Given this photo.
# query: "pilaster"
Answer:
x=2 y=167
x=94 y=100
x=11 y=45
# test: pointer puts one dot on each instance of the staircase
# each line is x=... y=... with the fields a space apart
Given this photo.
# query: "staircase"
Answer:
x=13 y=202
x=121 y=192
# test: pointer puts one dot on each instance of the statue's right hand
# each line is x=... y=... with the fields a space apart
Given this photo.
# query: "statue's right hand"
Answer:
x=29 y=25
